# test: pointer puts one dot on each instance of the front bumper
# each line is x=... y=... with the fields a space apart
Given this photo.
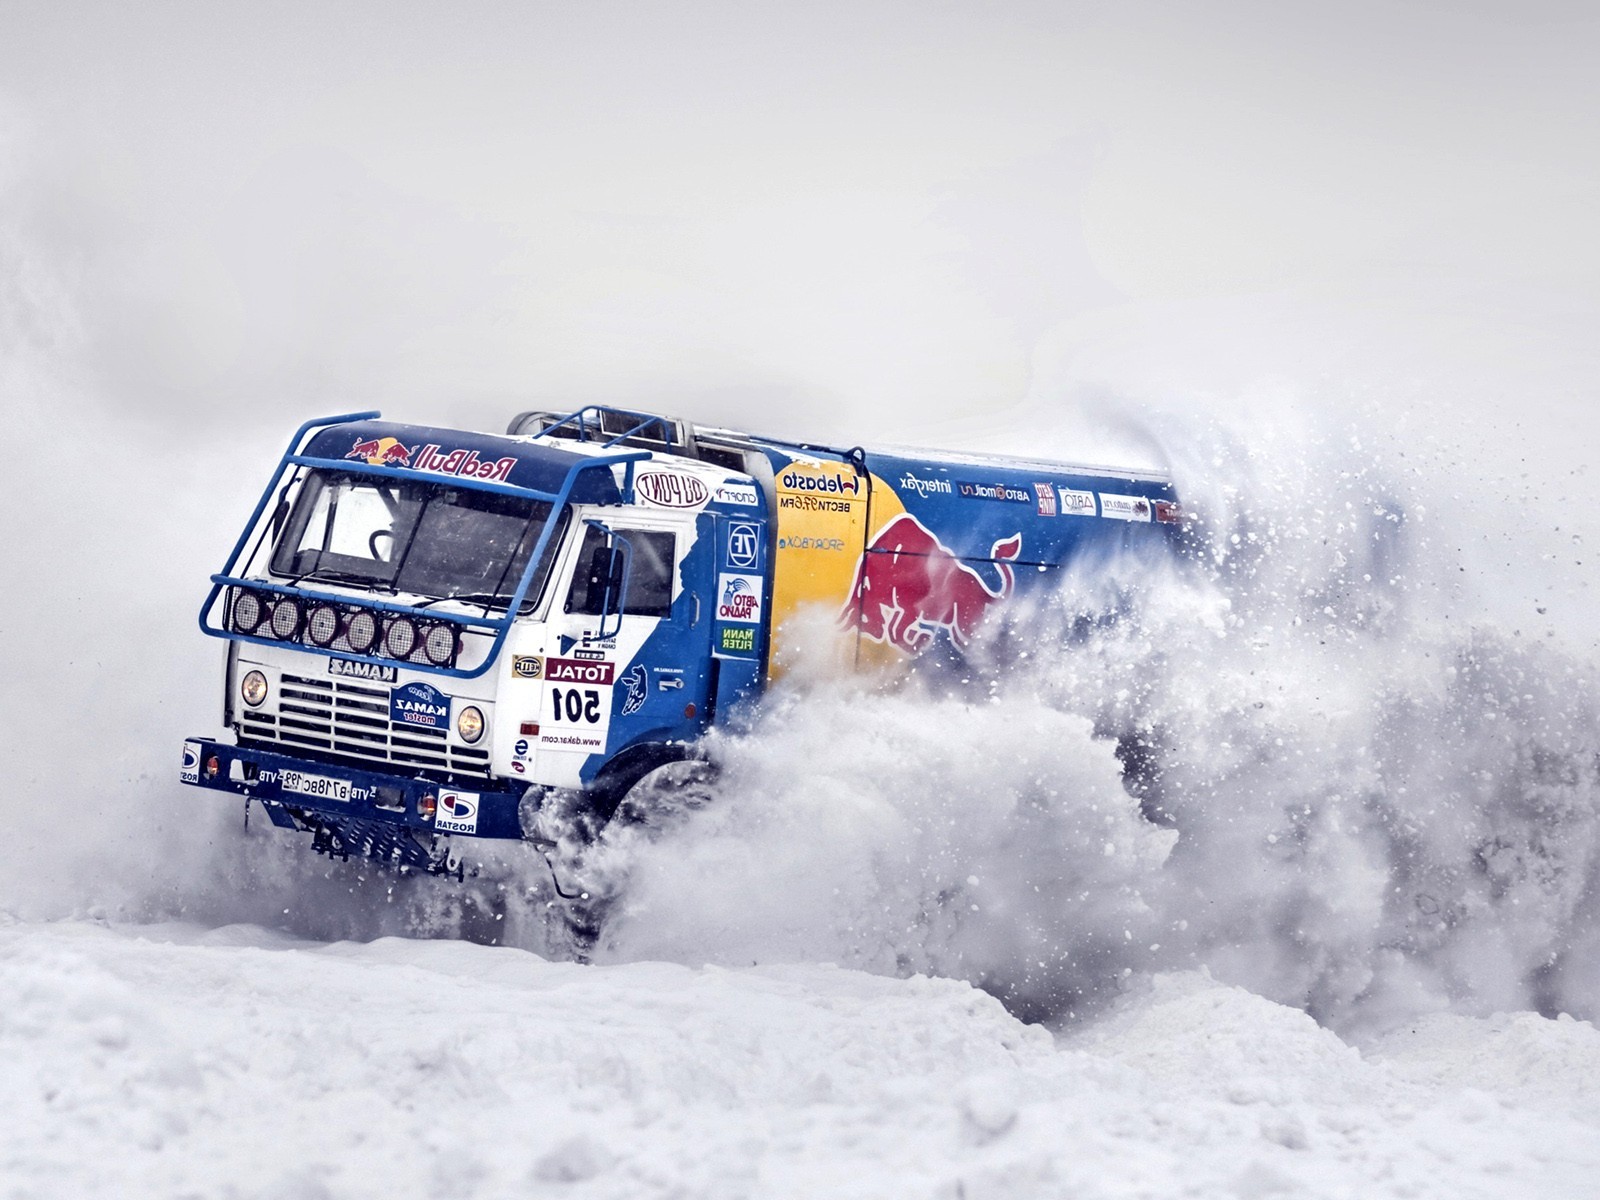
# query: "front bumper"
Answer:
x=286 y=786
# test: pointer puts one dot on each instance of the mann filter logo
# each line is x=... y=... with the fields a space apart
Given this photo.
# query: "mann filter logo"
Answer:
x=379 y=672
x=737 y=639
x=527 y=666
x=739 y=599
x=671 y=491
x=574 y=670
x=993 y=491
x=1046 y=495
x=1076 y=504
x=830 y=481
x=458 y=812
x=744 y=546
x=1124 y=508
x=420 y=704
x=924 y=487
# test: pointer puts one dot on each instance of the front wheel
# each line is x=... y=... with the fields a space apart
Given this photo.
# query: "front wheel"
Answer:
x=663 y=798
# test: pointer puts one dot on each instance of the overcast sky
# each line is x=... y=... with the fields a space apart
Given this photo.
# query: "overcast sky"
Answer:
x=767 y=213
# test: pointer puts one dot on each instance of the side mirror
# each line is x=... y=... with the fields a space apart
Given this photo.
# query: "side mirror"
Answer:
x=608 y=579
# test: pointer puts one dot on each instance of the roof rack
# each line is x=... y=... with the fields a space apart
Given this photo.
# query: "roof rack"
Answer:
x=609 y=427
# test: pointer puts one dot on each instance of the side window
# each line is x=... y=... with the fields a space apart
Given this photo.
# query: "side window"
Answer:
x=650 y=580
x=649 y=577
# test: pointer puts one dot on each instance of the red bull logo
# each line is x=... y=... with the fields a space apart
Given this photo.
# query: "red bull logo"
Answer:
x=910 y=585
x=381 y=452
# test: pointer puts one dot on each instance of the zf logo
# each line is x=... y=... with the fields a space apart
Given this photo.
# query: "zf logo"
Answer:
x=744 y=546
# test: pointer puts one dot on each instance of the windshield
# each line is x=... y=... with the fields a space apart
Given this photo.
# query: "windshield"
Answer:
x=427 y=539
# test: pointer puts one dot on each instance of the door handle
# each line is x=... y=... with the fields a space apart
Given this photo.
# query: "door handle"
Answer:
x=670 y=684
x=695 y=620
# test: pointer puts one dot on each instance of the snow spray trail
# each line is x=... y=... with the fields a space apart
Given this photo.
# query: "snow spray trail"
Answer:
x=1356 y=792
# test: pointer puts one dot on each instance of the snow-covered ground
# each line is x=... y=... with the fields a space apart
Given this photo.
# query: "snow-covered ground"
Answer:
x=1334 y=266
x=236 y=1062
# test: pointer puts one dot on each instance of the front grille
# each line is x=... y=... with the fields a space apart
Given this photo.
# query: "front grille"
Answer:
x=351 y=718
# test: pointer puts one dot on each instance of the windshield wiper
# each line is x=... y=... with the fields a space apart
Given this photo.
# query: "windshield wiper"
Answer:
x=494 y=598
x=348 y=578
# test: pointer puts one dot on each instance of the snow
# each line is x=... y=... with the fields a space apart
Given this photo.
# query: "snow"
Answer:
x=1278 y=254
x=174 y=1060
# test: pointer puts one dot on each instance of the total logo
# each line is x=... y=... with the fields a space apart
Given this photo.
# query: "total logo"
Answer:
x=458 y=812
x=740 y=599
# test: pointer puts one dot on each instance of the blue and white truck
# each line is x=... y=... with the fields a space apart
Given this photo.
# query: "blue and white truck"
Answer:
x=431 y=631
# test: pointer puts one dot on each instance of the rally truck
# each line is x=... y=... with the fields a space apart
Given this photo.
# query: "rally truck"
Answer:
x=430 y=632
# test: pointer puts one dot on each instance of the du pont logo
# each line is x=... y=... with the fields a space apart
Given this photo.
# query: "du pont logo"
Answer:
x=671 y=491
x=833 y=482
x=925 y=487
x=465 y=464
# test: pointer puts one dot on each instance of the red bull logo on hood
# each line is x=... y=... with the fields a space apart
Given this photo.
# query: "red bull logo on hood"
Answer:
x=910 y=585
x=381 y=452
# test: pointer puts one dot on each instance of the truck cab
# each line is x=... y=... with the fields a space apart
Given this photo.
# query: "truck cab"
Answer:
x=429 y=629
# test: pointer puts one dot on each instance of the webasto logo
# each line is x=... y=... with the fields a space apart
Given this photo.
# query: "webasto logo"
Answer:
x=834 y=482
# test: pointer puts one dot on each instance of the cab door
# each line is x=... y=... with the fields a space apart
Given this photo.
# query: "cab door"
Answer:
x=631 y=658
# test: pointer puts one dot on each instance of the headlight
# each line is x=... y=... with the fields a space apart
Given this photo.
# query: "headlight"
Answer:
x=323 y=625
x=469 y=723
x=248 y=612
x=362 y=632
x=440 y=644
x=285 y=619
x=401 y=639
x=253 y=687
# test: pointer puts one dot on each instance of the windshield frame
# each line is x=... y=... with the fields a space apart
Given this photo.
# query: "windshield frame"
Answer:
x=420 y=555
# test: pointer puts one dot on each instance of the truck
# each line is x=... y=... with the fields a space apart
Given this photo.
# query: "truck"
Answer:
x=432 y=634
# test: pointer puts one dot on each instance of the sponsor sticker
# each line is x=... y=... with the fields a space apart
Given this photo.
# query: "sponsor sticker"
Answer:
x=736 y=639
x=810 y=543
x=739 y=599
x=458 y=812
x=578 y=670
x=1076 y=504
x=191 y=763
x=637 y=687
x=976 y=490
x=820 y=478
x=378 y=672
x=670 y=490
x=527 y=666
x=924 y=487
x=1124 y=508
x=420 y=704
x=743 y=494
x=1168 y=511
x=1046 y=496
x=744 y=546
x=520 y=750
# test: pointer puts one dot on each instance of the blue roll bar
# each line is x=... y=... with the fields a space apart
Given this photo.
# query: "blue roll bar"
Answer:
x=501 y=626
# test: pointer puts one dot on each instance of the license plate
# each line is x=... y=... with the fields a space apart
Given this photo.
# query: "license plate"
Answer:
x=320 y=786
